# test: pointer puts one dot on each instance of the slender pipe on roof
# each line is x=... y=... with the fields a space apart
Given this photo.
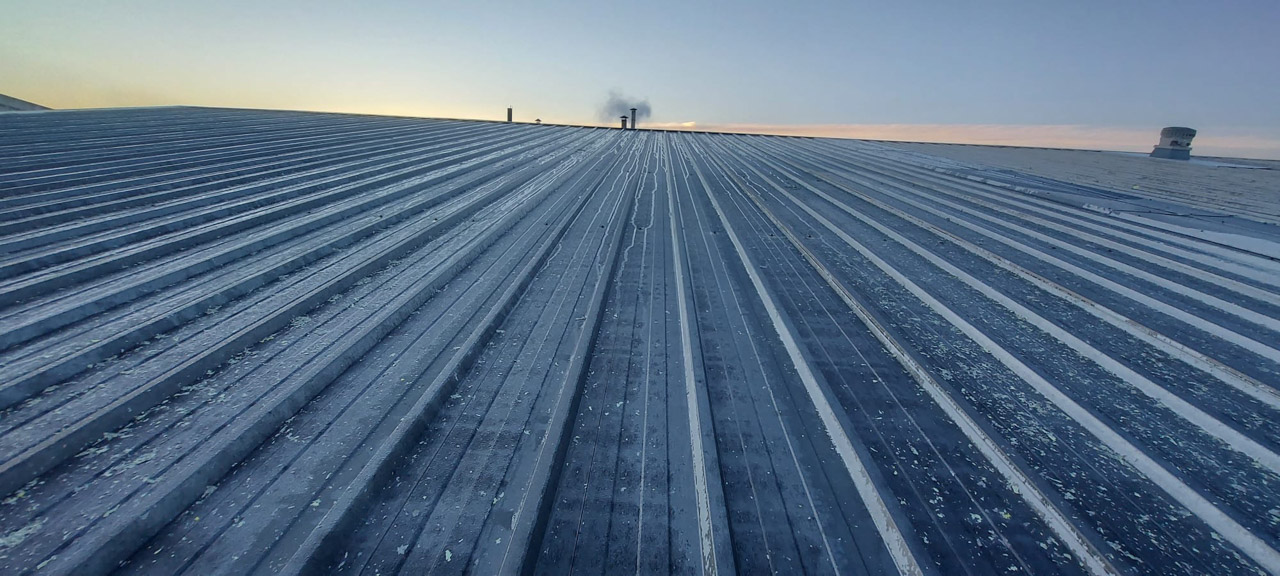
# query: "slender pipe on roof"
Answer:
x=508 y=113
x=633 y=118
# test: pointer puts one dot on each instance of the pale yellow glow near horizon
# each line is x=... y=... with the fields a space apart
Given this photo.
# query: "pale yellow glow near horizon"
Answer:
x=64 y=85
x=1039 y=136
x=1064 y=136
x=52 y=89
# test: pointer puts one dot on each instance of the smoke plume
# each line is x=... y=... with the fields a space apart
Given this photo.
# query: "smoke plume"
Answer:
x=619 y=105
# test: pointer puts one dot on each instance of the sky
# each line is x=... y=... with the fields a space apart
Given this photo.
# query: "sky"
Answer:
x=1086 y=74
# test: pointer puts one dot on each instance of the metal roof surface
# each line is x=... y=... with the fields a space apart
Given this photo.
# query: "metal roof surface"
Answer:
x=237 y=341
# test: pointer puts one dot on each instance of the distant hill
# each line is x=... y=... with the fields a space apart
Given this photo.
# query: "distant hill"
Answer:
x=10 y=104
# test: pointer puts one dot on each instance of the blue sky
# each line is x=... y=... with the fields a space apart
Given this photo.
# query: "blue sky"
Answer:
x=1105 y=72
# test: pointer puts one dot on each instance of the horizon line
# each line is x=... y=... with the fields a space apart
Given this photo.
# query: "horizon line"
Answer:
x=1079 y=137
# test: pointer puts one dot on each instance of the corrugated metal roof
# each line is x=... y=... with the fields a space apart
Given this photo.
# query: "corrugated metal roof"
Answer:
x=254 y=341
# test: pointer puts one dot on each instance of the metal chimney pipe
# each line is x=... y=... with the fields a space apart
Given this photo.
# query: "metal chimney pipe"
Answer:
x=624 y=122
x=633 y=118
x=508 y=113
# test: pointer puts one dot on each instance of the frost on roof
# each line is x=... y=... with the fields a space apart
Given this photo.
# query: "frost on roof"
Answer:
x=274 y=342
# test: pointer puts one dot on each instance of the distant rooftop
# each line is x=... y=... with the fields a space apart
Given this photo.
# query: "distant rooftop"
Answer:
x=11 y=104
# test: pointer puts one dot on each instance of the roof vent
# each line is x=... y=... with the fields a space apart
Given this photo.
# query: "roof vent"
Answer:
x=1175 y=143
